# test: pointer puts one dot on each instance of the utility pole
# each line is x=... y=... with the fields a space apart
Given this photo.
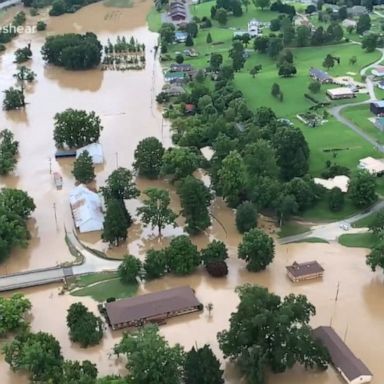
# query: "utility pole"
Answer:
x=337 y=291
x=345 y=333
x=117 y=159
x=54 y=211
x=50 y=165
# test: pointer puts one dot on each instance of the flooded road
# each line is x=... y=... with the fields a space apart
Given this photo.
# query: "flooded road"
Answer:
x=125 y=102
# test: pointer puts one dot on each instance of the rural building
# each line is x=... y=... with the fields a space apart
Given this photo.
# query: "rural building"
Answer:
x=372 y=165
x=377 y=107
x=63 y=153
x=86 y=209
x=357 y=11
x=378 y=71
x=349 y=23
x=95 y=150
x=207 y=152
x=254 y=28
x=173 y=77
x=340 y=181
x=304 y=271
x=173 y=90
x=340 y=93
x=180 y=36
x=180 y=68
x=352 y=369
x=151 y=308
x=177 y=11
x=319 y=75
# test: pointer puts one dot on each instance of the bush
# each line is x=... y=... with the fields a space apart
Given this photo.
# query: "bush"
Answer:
x=217 y=268
x=129 y=270
x=41 y=26
x=336 y=200
x=246 y=217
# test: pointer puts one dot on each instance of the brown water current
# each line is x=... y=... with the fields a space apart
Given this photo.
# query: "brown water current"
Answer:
x=125 y=101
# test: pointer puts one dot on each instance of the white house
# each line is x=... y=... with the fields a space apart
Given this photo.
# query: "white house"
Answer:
x=254 y=28
x=372 y=165
x=339 y=181
x=95 y=150
x=86 y=209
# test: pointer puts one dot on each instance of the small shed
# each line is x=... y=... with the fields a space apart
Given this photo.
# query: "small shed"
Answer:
x=86 y=209
x=95 y=150
x=372 y=165
x=304 y=271
x=352 y=369
x=377 y=107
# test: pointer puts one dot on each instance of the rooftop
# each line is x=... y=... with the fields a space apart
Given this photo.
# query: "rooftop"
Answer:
x=379 y=103
x=372 y=165
x=321 y=75
x=340 y=91
x=341 y=356
x=304 y=269
x=151 y=305
x=340 y=181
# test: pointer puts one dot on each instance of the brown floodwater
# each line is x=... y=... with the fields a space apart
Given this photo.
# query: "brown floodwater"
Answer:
x=126 y=104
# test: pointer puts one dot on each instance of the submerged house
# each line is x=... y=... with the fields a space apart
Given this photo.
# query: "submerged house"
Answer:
x=86 y=209
x=304 y=271
x=151 y=308
x=352 y=369
x=95 y=150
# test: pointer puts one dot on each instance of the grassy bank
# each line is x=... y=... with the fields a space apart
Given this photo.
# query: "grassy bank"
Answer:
x=154 y=20
x=118 y=3
x=292 y=228
x=358 y=240
x=101 y=286
x=313 y=240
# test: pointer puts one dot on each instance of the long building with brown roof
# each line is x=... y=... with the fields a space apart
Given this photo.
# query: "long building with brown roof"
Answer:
x=352 y=369
x=152 y=307
x=304 y=271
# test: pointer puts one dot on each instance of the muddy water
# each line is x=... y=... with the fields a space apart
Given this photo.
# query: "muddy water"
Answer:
x=124 y=101
x=356 y=315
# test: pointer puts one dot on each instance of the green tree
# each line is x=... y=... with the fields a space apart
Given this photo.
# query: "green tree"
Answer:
x=303 y=36
x=9 y=148
x=83 y=169
x=377 y=224
x=14 y=99
x=111 y=379
x=285 y=205
x=130 y=269
x=215 y=251
x=261 y=4
x=148 y=157
x=275 y=46
x=275 y=90
x=155 y=264
x=314 y=86
x=189 y=41
x=260 y=44
x=23 y=54
x=292 y=152
x=257 y=249
x=336 y=199
x=232 y=178
x=201 y=366
x=84 y=327
x=116 y=222
x=41 y=26
x=195 y=199
x=236 y=53
x=246 y=217
x=255 y=70
x=180 y=162
x=376 y=257
x=167 y=33
x=281 y=336
x=362 y=189
x=17 y=202
x=209 y=38
x=329 y=62
x=192 y=29
x=179 y=59
x=76 y=128
x=156 y=211
x=221 y=16
x=73 y=51
x=215 y=61
x=182 y=256
x=369 y=42
x=24 y=74
x=13 y=312
x=149 y=357
x=119 y=185
x=363 y=24
x=303 y=190
x=76 y=372
x=37 y=354
x=287 y=70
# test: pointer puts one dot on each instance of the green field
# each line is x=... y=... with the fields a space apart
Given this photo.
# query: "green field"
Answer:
x=292 y=228
x=313 y=240
x=118 y=3
x=154 y=20
x=364 y=222
x=321 y=212
x=360 y=115
x=358 y=240
x=101 y=286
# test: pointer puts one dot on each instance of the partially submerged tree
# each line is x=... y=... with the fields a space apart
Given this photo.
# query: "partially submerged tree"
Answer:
x=120 y=185
x=155 y=264
x=281 y=335
x=76 y=128
x=23 y=54
x=156 y=211
x=149 y=357
x=362 y=189
x=14 y=99
x=84 y=327
x=83 y=169
x=148 y=157
x=9 y=149
x=130 y=269
x=246 y=217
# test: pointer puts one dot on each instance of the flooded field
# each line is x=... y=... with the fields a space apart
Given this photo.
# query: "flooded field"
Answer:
x=126 y=104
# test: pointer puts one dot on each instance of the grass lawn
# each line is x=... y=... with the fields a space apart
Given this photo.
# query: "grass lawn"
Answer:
x=313 y=240
x=292 y=228
x=154 y=20
x=364 y=222
x=358 y=240
x=101 y=286
x=321 y=212
x=118 y=3
x=360 y=115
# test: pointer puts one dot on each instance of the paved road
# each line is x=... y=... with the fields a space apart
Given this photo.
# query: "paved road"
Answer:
x=9 y=3
x=332 y=231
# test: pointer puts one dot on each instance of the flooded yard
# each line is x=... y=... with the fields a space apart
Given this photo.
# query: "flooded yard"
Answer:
x=125 y=101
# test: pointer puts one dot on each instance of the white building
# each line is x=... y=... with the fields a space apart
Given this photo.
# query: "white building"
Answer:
x=254 y=28
x=95 y=150
x=340 y=182
x=372 y=165
x=340 y=93
x=86 y=209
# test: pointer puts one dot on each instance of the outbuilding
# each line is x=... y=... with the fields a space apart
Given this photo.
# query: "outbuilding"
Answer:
x=95 y=150
x=340 y=93
x=151 y=308
x=320 y=76
x=86 y=209
x=377 y=107
x=339 y=181
x=352 y=369
x=304 y=271
x=378 y=71
x=372 y=165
